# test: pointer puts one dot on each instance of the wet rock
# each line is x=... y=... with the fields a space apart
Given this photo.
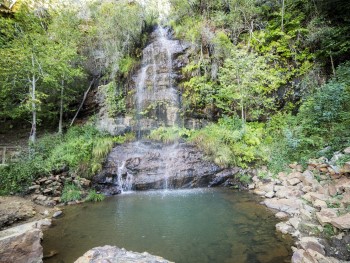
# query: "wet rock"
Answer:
x=115 y=254
x=251 y=186
x=221 y=177
x=338 y=246
x=57 y=214
x=259 y=192
x=281 y=215
x=158 y=166
x=284 y=228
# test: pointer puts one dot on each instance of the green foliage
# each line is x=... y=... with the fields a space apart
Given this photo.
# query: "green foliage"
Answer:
x=245 y=83
x=169 y=135
x=114 y=99
x=126 y=65
x=342 y=160
x=231 y=143
x=82 y=149
x=328 y=230
x=244 y=178
x=93 y=196
x=70 y=193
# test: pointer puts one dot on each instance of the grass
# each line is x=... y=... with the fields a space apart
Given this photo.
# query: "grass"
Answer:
x=93 y=196
x=70 y=193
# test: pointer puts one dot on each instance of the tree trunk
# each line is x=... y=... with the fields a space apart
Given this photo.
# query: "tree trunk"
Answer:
x=61 y=109
x=282 y=22
x=32 y=136
x=332 y=63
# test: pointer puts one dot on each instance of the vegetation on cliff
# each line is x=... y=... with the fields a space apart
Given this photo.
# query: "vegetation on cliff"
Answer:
x=273 y=75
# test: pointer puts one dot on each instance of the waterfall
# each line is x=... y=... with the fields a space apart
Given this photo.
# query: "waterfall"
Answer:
x=157 y=100
x=124 y=178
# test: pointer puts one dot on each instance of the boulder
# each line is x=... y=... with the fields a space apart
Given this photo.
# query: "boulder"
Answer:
x=284 y=228
x=267 y=187
x=117 y=255
x=270 y=194
x=342 y=222
x=319 y=203
x=290 y=206
x=281 y=215
x=293 y=181
x=332 y=190
x=326 y=215
x=301 y=256
x=312 y=243
x=22 y=244
x=14 y=211
x=345 y=169
x=294 y=221
x=347 y=150
x=287 y=192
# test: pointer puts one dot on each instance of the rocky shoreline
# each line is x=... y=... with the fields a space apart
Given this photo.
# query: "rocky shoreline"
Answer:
x=314 y=206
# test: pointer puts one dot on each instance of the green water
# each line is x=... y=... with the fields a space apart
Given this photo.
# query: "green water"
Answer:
x=185 y=226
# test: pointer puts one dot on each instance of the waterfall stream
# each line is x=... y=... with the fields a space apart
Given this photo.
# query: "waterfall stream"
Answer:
x=157 y=100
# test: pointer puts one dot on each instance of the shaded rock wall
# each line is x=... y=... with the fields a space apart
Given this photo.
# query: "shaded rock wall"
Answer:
x=145 y=165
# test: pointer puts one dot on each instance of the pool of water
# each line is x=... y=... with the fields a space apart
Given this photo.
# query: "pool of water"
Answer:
x=185 y=226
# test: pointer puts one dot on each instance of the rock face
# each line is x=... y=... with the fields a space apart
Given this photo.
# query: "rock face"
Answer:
x=147 y=165
x=13 y=211
x=153 y=91
x=21 y=244
x=116 y=255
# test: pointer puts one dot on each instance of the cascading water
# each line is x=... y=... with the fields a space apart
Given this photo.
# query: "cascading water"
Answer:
x=157 y=99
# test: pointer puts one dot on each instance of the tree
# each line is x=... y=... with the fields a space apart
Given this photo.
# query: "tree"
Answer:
x=64 y=32
x=245 y=83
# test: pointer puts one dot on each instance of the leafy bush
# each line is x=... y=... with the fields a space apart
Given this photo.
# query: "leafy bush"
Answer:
x=93 y=196
x=169 y=135
x=82 y=149
x=230 y=142
x=16 y=177
x=71 y=192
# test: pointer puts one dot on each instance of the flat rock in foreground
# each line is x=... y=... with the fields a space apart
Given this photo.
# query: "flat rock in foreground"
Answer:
x=22 y=244
x=116 y=255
